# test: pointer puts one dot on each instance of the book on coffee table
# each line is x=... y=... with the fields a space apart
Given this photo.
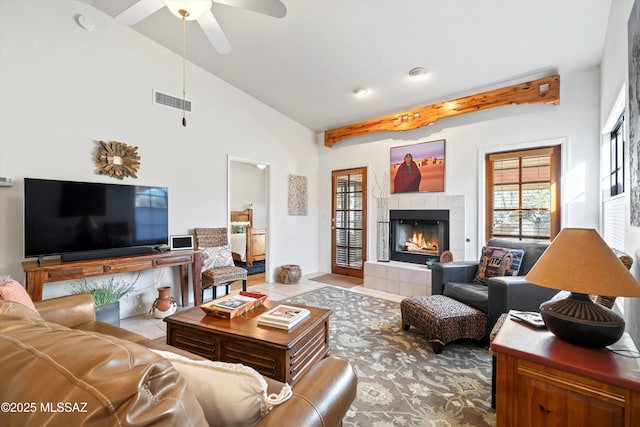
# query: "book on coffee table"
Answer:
x=283 y=317
x=233 y=305
x=233 y=302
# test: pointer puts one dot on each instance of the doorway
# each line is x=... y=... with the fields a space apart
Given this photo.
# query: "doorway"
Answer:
x=348 y=221
x=248 y=190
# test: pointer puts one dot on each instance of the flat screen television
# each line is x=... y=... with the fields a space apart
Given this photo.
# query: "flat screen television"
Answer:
x=86 y=220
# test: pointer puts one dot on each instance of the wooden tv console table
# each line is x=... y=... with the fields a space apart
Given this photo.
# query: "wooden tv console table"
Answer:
x=544 y=381
x=56 y=270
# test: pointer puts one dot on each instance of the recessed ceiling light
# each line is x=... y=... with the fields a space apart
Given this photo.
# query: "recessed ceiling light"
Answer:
x=360 y=91
x=85 y=22
x=417 y=73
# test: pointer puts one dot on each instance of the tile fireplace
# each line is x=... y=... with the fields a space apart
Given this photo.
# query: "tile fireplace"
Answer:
x=406 y=278
x=418 y=235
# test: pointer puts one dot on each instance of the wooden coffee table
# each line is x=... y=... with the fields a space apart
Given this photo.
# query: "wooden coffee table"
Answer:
x=275 y=353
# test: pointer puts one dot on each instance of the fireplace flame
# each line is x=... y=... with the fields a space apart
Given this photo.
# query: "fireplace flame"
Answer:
x=417 y=243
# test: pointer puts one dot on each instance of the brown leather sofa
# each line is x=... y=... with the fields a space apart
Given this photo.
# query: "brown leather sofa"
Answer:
x=56 y=374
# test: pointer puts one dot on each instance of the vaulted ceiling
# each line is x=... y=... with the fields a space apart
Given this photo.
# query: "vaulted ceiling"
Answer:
x=307 y=64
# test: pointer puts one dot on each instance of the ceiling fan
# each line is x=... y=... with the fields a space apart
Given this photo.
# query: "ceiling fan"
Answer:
x=200 y=10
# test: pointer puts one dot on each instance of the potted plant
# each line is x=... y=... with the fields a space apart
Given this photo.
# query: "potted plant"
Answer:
x=107 y=296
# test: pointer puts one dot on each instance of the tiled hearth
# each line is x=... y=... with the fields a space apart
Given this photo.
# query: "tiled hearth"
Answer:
x=409 y=279
x=401 y=278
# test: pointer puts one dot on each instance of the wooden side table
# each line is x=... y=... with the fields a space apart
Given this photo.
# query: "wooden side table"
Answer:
x=492 y=336
x=544 y=381
x=275 y=353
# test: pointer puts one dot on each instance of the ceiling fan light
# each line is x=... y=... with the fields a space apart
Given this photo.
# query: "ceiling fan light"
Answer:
x=194 y=8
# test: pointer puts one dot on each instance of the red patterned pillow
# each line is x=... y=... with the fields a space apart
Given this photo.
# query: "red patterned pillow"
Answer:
x=13 y=291
x=496 y=261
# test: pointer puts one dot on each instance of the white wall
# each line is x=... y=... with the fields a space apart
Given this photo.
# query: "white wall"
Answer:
x=64 y=88
x=615 y=74
x=574 y=122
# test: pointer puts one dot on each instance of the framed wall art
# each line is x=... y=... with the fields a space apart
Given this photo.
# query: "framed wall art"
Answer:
x=117 y=159
x=298 y=200
x=418 y=167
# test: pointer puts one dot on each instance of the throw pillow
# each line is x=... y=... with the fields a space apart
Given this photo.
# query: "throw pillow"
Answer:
x=15 y=292
x=239 y=226
x=218 y=256
x=496 y=261
x=231 y=394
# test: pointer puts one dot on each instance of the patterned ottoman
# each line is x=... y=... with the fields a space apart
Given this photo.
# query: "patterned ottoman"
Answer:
x=442 y=319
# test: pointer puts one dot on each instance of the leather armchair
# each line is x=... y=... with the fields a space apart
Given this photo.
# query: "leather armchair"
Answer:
x=499 y=294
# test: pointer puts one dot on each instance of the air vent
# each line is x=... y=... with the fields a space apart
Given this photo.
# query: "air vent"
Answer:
x=170 y=101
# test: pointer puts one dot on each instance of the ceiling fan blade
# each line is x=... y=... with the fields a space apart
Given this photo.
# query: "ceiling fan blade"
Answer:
x=214 y=33
x=274 y=8
x=138 y=11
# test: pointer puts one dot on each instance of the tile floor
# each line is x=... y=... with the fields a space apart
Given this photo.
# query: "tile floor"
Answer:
x=156 y=328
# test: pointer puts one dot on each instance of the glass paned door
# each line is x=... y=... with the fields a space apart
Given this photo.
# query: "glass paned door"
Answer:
x=349 y=219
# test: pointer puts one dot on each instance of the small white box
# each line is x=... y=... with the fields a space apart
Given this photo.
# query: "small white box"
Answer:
x=181 y=243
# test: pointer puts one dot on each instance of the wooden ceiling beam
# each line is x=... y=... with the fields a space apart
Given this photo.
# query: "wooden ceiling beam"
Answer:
x=541 y=91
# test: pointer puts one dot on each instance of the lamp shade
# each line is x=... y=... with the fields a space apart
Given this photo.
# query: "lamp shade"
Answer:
x=194 y=8
x=579 y=260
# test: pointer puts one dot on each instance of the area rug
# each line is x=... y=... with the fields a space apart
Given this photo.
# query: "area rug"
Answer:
x=338 y=280
x=401 y=382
